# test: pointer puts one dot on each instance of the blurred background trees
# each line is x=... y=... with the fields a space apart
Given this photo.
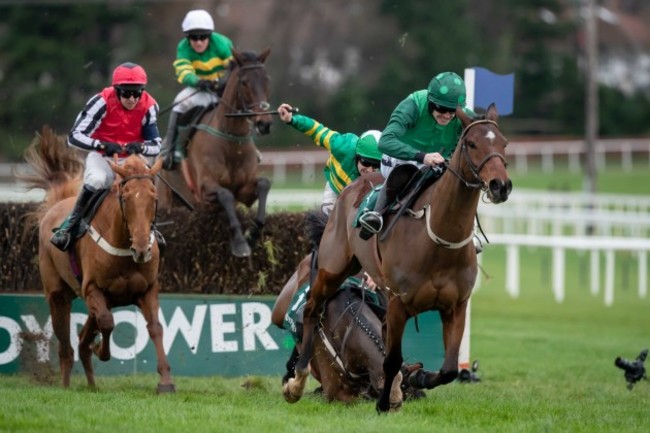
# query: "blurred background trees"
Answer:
x=345 y=62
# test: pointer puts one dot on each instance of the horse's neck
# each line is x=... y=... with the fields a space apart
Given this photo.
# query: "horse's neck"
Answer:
x=453 y=207
x=110 y=221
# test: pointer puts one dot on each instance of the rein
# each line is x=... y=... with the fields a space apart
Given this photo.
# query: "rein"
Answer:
x=475 y=169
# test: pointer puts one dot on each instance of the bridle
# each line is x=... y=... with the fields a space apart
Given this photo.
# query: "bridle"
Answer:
x=242 y=107
x=120 y=196
x=475 y=169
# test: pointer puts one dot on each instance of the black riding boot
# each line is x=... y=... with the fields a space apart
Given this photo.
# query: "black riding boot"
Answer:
x=372 y=221
x=63 y=237
x=169 y=143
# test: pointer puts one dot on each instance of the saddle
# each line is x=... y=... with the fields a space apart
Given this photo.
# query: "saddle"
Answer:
x=403 y=185
x=188 y=122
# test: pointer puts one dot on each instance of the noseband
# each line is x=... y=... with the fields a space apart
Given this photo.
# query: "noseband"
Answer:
x=475 y=168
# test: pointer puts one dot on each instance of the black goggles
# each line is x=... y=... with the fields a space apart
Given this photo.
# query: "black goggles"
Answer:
x=198 y=37
x=441 y=109
x=374 y=163
x=126 y=94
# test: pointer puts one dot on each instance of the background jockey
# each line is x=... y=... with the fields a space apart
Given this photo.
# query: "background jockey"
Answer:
x=350 y=155
x=120 y=120
x=201 y=60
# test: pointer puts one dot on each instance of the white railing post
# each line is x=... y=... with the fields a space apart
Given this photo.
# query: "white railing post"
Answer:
x=512 y=271
x=558 y=274
x=595 y=272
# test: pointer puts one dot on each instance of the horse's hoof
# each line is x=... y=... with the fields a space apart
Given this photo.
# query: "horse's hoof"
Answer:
x=382 y=408
x=289 y=396
x=165 y=388
x=241 y=250
x=395 y=406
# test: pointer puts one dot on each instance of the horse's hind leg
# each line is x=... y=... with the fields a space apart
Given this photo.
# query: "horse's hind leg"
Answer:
x=263 y=186
x=149 y=306
x=396 y=318
x=238 y=245
x=60 y=307
x=86 y=338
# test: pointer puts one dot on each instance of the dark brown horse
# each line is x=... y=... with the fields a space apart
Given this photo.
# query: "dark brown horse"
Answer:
x=427 y=262
x=114 y=264
x=222 y=160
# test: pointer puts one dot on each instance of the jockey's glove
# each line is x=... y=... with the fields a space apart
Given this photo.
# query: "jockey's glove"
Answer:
x=133 y=148
x=109 y=148
x=208 y=85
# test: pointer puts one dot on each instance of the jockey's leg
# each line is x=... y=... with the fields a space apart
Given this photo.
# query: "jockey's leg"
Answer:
x=63 y=236
x=169 y=142
x=372 y=222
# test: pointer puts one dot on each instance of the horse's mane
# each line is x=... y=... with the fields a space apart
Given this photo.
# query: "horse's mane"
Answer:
x=56 y=168
x=315 y=221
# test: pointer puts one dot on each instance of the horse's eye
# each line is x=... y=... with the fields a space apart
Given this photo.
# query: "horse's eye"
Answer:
x=471 y=144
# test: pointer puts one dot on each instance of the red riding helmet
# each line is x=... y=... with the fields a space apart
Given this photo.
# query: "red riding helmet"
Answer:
x=129 y=75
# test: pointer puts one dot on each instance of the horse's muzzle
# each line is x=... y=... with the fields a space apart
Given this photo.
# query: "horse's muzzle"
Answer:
x=499 y=190
x=141 y=256
x=263 y=127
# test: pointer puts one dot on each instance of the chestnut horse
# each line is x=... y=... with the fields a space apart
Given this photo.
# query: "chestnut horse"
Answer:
x=115 y=263
x=222 y=160
x=426 y=262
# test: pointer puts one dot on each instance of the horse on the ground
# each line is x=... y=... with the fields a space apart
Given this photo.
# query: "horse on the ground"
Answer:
x=115 y=263
x=222 y=160
x=349 y=348
x=426 y=262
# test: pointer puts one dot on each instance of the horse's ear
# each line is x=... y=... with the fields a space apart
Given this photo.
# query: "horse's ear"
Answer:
x=156 y=166
x=116 y=168
x=463 y=117
x=237 y=56
x=264 y=54
x=492 y=113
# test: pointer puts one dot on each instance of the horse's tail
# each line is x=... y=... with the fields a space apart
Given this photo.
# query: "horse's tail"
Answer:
x=56 y=168
x=315 y=222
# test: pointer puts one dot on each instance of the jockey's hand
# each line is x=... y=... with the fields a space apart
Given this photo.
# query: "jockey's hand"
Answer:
x=433 y=158
x=370 y=283
x=285 y=111
x=207 y=85
x=110 y=149
x=134 y=148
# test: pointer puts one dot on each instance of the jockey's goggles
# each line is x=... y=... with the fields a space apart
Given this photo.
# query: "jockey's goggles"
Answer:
x=441 y=109
x=126 y=94
x=374 y=163
x=198 y=37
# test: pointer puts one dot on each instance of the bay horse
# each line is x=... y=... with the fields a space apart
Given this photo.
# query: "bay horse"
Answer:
x=426 y=262
x=348 y=347
x=222 y=160
x=115 y=263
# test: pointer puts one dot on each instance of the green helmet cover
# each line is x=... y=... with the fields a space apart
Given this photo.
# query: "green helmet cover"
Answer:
x=367 y=145
x=447 y=89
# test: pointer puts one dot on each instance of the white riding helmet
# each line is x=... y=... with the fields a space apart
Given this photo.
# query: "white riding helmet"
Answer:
x=197 y=19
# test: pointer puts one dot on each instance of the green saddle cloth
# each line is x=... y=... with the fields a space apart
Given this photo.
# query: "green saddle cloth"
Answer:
x=367 y=204
x=295 y=312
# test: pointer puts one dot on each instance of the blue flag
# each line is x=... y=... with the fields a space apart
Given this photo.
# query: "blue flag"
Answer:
x=485 y=87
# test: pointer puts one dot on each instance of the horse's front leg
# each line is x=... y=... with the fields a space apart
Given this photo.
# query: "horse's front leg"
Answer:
x=96 y=303
x=396 y=318
x=262 y=188
x=238 y=245
x=453 y=325
x=149 y=306
x=86 y=339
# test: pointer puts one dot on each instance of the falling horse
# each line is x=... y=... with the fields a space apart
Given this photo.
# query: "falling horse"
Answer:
x=439 y=269
x=348 y=349
x=222 y=160
x=115 y=263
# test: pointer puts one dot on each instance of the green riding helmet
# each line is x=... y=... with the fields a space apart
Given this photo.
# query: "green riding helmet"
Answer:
x=447 y=89
x=367 y=145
